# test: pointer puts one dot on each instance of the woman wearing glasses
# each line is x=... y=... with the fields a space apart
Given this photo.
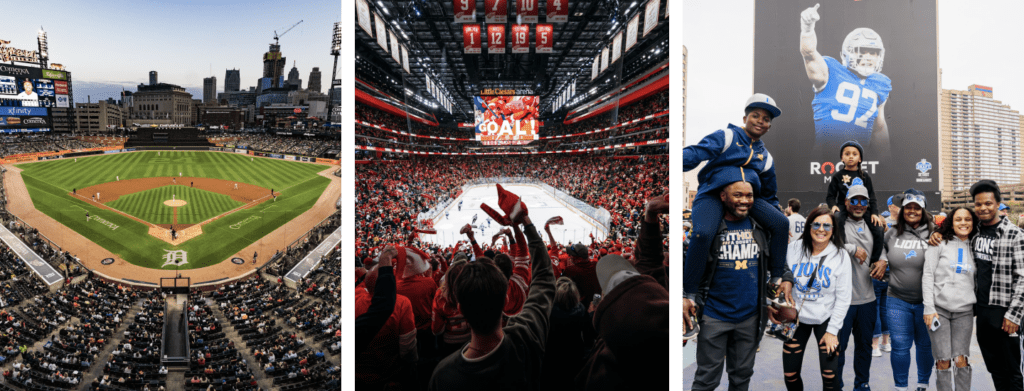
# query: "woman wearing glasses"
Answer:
x=904 y=254
x=821 y=291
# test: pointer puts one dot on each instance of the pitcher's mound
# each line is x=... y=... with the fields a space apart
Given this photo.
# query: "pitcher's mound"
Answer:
x=175 y=203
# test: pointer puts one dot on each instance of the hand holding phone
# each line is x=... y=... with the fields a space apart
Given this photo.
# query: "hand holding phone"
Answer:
x=935 y=323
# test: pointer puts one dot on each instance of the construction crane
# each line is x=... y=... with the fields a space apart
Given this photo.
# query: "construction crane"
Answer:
x=276 y=36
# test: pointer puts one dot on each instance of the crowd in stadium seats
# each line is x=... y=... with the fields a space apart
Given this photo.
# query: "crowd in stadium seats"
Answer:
x=522 y=317
x=650 y=105
x=282 y=145
x=33 y=143
x=214 y=360
x=137 y=359
x=282 y=354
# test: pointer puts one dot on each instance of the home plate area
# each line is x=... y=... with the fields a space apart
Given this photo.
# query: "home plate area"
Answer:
x=541 y=205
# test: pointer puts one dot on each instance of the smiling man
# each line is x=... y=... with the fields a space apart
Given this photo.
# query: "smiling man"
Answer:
x=731 y=298
x=849 y=96
x=999 y=253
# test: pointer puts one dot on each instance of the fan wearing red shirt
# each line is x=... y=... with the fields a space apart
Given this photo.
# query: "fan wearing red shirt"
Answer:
x=518 y=274
x=583 y=272
x=393 y=350
x=448 y=321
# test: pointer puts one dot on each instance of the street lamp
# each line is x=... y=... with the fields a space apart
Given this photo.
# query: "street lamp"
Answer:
x=335 y=51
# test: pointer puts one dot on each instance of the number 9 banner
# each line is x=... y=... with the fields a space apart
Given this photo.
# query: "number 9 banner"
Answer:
x=465 y=11
x=520 y=38
x=496 y=39
x=471 y=38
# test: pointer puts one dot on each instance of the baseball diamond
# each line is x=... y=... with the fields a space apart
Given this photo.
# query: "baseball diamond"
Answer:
x=215 y=220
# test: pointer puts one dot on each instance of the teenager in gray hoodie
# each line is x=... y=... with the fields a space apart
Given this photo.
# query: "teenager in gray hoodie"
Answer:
x=905 y=246
x=948 y=289
x=821 y=291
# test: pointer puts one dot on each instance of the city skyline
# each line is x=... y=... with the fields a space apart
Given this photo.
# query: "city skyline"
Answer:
x=196 y=40
x=717 y=89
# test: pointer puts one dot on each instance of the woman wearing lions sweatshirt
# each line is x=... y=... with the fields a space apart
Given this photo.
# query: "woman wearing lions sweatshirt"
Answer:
x=822 y=290
x=948 y=288
x=905 y=246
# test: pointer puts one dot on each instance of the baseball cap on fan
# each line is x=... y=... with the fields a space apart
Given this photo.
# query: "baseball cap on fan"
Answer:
x=762 y=101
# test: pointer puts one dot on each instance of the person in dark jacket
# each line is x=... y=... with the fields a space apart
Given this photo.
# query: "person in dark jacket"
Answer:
x=631 y=319
x=736 y=153
x=733 y=319
x=570 y=338
x=501 y=358
x=383 y=303
x=852 y=155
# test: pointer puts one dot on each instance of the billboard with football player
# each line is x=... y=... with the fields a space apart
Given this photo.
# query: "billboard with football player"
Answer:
x=850 y=71
x=506 y=119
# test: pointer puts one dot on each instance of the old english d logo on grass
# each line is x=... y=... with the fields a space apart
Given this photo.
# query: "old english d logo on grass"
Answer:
x=175 y=258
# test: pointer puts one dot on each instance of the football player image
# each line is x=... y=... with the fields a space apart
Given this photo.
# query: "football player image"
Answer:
x=850 y=93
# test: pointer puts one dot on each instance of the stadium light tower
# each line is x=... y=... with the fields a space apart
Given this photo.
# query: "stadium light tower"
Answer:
x=43 y=49
x=335 y=51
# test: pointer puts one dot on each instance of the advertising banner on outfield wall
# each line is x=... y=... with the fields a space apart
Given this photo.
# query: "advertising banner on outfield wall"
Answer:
x=289 y=157
x=871 y=77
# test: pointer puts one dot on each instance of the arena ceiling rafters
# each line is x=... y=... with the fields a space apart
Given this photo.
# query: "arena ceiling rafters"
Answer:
x=435 y=43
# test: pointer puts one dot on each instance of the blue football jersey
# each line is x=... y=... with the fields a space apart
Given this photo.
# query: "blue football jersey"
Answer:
x=846 y=108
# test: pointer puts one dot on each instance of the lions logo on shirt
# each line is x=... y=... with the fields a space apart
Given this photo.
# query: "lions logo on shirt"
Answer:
x=847 y=106
x=910 y=254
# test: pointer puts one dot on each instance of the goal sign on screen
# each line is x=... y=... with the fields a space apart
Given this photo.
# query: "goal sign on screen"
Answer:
x=506 y=119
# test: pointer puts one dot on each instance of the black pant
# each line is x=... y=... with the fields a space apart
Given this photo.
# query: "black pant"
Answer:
x=1000 y=351
x=793 y=357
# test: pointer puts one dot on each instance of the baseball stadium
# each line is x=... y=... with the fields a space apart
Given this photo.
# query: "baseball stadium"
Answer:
x=234 y=224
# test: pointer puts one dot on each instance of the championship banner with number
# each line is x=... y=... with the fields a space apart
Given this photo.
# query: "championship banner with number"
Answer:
x=617 y=46
x=651 y=15
x=631 y=31
x=604 y=59
x=558 y=11
x=526 y=11
x=597 y=62
x=405 y=59
x=382 y=35
x=363 y=13
x=465 y=11
x=395 y=54
x=495 y=11
x=545 y=38
x=471 y=38
x=496 y=39
x=520 y=38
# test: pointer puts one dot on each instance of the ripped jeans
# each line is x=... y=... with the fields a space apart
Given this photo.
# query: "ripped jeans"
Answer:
x=951 y=341
x=793 y=357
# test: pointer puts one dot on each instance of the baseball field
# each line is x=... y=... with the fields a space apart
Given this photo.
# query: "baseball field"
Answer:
x=129 y=195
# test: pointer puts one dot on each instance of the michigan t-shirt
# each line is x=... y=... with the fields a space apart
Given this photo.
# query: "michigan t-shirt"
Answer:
x=733 y=293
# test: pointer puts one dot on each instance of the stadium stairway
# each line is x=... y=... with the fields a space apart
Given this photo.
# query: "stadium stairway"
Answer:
x=96 y=371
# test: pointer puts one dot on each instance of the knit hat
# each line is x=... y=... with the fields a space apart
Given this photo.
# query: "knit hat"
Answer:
x=854 y=144
x=986 y=185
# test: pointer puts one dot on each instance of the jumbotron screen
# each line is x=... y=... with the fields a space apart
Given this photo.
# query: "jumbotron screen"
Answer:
x=506 y=119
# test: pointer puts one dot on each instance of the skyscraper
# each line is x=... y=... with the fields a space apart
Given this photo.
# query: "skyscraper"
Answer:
x=152 y=78
x=210 y=90
x=232 y=80
x=293 y=77
x=980 y=139
x=273 y=64
x=314 y=80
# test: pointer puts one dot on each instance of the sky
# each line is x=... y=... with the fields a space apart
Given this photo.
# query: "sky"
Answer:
x=973 y=40
x=112 y=43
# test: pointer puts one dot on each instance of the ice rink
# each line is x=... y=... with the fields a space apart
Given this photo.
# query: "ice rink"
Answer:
x=541 y=205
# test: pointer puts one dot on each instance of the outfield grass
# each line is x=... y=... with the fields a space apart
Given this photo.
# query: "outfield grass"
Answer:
x=149 y=205
x=50 y=182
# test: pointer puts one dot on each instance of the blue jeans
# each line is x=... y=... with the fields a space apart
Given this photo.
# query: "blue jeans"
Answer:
x=881 y=323
x=860 y=321
x=907 y=328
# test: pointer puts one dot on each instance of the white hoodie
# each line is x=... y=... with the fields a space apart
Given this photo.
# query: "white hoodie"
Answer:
x=829 y=297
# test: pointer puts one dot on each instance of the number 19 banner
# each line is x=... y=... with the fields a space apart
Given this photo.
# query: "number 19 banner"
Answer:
x=520 y=38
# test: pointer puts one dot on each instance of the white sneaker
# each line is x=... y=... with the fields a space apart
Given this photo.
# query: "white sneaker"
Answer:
x=887 y=347
x=876 y=352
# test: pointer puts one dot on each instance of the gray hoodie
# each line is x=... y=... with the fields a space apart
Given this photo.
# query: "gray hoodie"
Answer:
x=905 y=254
x=948 y=281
